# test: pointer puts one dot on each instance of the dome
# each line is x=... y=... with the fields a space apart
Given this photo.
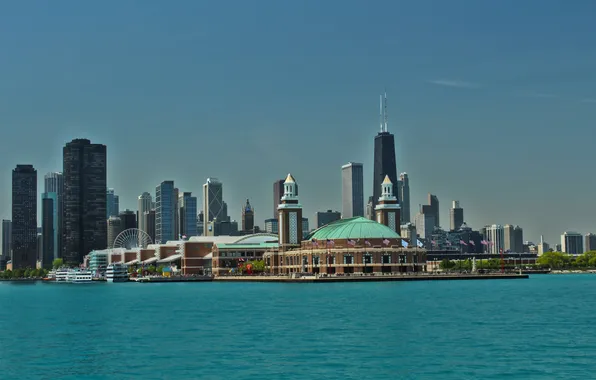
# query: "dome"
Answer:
x=257 y=239
x=353 y=228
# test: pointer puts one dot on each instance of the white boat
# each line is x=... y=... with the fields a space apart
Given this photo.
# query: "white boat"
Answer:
x=79 y=276
x=117 y=273
x=61 y=274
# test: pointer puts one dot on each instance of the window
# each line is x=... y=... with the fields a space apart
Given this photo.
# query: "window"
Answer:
x=403 y=259
x=386 y=259
x=348 y=259
x=367 y=259
x=315 y=260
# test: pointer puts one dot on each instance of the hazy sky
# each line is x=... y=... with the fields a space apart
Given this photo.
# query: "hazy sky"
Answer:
x=492 y=103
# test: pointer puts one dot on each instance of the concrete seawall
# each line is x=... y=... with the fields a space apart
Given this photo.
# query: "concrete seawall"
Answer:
x=510 y=276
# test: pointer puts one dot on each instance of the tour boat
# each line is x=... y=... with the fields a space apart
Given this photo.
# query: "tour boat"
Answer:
x=79 y=276
x=117 y=273
x=61 y=274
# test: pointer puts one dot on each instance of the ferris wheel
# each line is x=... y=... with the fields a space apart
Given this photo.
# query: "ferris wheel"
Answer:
x=132 y=238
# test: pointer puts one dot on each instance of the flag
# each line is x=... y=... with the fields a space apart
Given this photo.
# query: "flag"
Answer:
x=448 y=243
x=367 y=243
x=351 y=242
x=183 y=236
x=433 y=242
x=472 y=243
x=404 y=244
x=314 y=242
x=386 y=242
x=330 y=242
x=483 y=242
x=420 y=245
x=462 y=242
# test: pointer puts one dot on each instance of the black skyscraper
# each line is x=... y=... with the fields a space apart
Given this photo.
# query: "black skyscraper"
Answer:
x=47 y=232
x=24 y=217
x=85 y=227
x=384 y=157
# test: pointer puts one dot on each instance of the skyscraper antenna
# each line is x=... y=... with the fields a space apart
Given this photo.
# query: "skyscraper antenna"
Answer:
x=381 y=112
x=385 y=110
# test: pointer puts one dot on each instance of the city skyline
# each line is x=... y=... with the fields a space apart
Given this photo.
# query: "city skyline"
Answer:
x=450 y=97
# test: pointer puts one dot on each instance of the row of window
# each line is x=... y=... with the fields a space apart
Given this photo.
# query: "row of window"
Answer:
x=348 y=259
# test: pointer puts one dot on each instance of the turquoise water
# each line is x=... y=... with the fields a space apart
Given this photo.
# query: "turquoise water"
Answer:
x=541 y=328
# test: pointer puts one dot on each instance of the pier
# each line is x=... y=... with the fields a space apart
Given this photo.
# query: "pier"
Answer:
x=422 y=277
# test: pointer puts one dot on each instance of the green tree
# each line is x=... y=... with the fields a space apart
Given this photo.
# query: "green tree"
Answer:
x=7 y=274
x=17 y=273
x=159 y=270
x=554 y=260
x=447 y=264
x=151 y=269
x=57 y=263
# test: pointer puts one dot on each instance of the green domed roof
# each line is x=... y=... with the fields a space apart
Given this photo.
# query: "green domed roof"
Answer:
x=353 y=228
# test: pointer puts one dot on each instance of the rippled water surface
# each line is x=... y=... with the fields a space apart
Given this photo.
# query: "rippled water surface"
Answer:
x=541 y=328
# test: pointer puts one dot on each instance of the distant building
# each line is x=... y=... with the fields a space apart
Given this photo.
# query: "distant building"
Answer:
x=408 y=231
x=305 y=227
x=323 y=218
x=384 y=156
x=403 y=194
x=213 y=203
x=352 y=177
x=572 y=243
x=590 y=242
x=495 y=235
x=24 y=217
x=425 y=224
x=271 y=226
x=145 y=204
x=542 y=246
x=165 y=204
x=176 y=196
x=432 y=209
x=149 y=223
x=112 y=203
x=456 y=216
x=6 y=239
x=54 y=183
x=370 y=209
x=187 y=213
x=558 y=248
x=115 y=227
x=129 y=219
x=248 y=217
x=85 y=209
x=200 y=223
x=49 y=228
x=513 y=239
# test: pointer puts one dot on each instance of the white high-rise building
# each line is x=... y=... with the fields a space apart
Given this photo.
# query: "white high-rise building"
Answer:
x=572 y=243
x=495 y=235
x=145 y=205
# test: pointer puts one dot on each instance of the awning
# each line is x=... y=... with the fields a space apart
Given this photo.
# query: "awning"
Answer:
x=171 y=258
x=132 y=262
x=150 y=261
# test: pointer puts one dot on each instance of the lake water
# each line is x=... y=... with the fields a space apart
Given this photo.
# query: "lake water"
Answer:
x=540 y=328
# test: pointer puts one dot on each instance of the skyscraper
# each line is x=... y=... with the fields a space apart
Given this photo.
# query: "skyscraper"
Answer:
x=145 y=205
x=24 y=217
x=48 y=237
x=403 y=194
x=352 y=190
x=85 y=208
x=496 y=236
x=323 y=218
x=49 y=227
x=112 y=203
x=513 y=238
x=213 y=204
x=164 y=212
x=114 y=229
x=149 y=222
x=589 y=242
x=248 y=217
x=278 y=192
x=54 y=183
x=187 y=213
x=384 y=156
x=6 y=238
x=129 y=219
x=571 y=242
x=432 y=208
x=456 y=216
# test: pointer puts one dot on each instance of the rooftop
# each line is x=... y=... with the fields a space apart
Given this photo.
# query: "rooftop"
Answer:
x=353 y=228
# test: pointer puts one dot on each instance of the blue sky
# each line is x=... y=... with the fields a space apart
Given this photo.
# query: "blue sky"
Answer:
x=492 y=103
